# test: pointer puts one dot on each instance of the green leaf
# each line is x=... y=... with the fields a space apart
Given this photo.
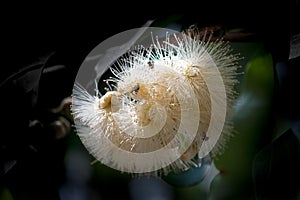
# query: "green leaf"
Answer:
x=5 y=194
x=252 y=112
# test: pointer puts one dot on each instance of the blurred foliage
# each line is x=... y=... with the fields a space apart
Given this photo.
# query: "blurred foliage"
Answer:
x=5 y=194
x=251 y=118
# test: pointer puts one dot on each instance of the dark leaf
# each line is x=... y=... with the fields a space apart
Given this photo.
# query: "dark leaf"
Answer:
x=276 y=169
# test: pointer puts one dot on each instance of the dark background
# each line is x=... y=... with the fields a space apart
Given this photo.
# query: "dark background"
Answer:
x=62 y=35
x=31 y=31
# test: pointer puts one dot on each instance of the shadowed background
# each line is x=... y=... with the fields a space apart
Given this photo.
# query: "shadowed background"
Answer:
x=42 y=158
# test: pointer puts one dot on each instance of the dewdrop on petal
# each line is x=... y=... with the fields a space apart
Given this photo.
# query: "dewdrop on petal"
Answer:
x=166 y=107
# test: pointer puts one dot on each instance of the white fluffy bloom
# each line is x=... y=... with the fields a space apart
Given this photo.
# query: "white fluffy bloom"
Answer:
x=166 y=107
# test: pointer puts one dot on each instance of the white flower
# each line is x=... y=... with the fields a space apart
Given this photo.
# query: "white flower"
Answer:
x=166 y=107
